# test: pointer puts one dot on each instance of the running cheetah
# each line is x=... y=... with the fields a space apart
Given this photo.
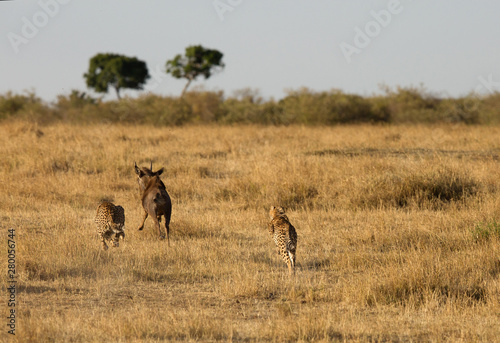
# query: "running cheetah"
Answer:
x=284 y=236
x=110 y=220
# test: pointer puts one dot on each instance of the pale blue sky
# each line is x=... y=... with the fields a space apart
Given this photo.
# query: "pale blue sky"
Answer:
x=449 y=46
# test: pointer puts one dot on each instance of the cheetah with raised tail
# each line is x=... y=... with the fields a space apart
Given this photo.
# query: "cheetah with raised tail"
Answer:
x=110 y=220
x=284 y=236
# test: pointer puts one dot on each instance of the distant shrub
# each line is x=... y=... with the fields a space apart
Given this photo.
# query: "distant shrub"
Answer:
x=271 y=113
x=334 y=107
x=246 y=106
x=490 y=108
x=380 y=109
x=157 y=110
x=463 y=110
x=76 y=106
x=11 y=104
x=146 y=109
x=411 y=104
x=21 y=106
x=238 y=111
x=206 y=106
x=75 y=99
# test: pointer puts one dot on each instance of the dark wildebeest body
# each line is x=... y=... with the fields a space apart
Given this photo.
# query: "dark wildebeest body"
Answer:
x=154 y=198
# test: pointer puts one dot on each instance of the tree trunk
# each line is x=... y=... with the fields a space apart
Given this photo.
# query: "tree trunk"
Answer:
x=118 y=93
x=186 y=87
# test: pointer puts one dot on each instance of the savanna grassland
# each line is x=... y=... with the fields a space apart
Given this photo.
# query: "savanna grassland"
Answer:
x=399 y=234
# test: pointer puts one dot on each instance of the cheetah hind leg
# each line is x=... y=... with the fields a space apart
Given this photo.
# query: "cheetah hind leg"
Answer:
x=291 y=262
x=292 y=258
x=291 y=270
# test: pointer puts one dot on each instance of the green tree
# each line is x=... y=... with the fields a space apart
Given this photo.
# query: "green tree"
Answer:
x=196 y=61
x=117 y=71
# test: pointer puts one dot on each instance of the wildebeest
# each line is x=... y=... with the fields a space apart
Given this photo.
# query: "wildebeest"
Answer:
x=154 y=197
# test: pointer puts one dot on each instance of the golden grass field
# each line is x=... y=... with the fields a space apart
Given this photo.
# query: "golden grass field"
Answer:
x=396 y=233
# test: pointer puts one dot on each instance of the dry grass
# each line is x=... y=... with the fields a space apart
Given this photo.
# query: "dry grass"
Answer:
x=398 y=233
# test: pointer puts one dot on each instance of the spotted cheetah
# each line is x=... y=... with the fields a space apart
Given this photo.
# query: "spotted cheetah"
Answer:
x=110 y=220
x=284 y=236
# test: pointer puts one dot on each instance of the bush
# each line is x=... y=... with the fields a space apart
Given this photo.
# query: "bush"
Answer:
x=303 y=106
x=22 y=106
x=413 y=105
x=334 y=107
x=75 y=106
x=239 y=111
x=464 y=110
x=205 y=106
x=248 y=108
x=75 y=99
x=490 y=108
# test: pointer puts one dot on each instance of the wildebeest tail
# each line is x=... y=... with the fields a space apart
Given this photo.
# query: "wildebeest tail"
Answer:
x=160 y=200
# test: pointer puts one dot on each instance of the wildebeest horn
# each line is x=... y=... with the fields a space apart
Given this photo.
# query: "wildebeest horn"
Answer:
x=151 y=165
x=137 y=169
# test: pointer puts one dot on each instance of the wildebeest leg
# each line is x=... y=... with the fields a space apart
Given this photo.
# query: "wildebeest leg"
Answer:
x=157 y=223
x=145 y=215
x=167 y=226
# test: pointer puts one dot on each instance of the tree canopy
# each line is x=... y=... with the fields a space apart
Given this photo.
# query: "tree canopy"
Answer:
x=117 y=71
x=197 y=61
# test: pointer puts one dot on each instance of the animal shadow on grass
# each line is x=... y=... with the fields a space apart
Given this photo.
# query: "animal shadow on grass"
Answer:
x=274 y=261
x=35 y=289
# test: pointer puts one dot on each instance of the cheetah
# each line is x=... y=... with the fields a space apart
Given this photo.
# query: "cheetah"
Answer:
x=110 y=220
x=284 y=236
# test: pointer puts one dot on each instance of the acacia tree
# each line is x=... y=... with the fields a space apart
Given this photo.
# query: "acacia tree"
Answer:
x=195 y=62
x=117 y=71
